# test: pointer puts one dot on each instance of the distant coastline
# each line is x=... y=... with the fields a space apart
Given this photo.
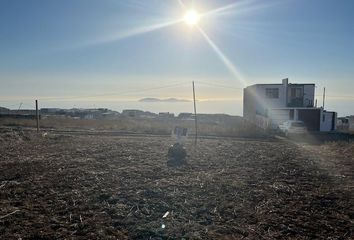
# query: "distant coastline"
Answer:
x=171 y=100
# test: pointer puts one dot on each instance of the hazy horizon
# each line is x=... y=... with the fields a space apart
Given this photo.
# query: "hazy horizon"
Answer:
x=231 y=107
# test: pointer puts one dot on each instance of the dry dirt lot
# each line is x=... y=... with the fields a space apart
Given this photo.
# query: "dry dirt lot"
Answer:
x=102 y=187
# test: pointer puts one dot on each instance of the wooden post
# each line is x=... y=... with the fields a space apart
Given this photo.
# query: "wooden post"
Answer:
x=37 y=116
x=324 y=97
x=195 y=115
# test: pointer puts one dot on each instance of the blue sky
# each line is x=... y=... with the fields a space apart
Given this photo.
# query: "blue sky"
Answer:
x=70 y=49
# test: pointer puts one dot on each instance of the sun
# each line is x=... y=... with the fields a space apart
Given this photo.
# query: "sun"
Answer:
x=191 y=17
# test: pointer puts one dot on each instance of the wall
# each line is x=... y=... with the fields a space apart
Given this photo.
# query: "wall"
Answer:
x=311 y=117
x=309 y=95
x=327 y=121
x=255 y=100
x=351 y=123
x=249 y=103
x=262 y=122
x=279 y=116
x=270 y=103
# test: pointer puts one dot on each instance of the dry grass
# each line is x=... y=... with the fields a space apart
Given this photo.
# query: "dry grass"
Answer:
x=102 y=187
x=340 y=148
x=233 y=127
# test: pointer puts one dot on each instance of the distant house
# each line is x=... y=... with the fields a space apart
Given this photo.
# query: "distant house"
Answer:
x=269 y=105
x=19 y=114
x=351 y=123
x=91 y=113
x=4 y=110
x=166 y=115
x=134 y=113
x=110 y=115
x=50 y=110
x=215 y=118
x=80 y=113
x=346 y=123
x=186 y=116
x=343 y=124
x=131 y=113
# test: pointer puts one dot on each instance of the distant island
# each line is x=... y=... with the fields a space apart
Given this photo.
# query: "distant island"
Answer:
x=172 y=100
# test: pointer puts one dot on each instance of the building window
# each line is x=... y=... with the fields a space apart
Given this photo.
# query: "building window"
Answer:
x=323 y=118
x=272 y=92
x=296 y=93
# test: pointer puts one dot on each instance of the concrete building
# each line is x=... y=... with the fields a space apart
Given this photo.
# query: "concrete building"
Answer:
x=346 y=124
x=269 y=105
x=4 y=110
x=351 y=123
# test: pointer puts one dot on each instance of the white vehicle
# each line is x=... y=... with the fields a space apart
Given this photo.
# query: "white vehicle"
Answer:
x=293 y=127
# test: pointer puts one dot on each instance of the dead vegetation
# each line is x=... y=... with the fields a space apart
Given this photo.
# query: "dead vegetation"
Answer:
x=340 y=148
x=235 y=126
x=336 y=157
x=91 y=187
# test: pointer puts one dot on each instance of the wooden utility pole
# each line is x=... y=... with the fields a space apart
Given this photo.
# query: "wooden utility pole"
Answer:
x=20 y=106
x=324 y=97
x=37 y=116
x=195 y=115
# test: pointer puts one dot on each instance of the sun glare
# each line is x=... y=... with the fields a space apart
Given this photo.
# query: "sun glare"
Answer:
x=191 y=17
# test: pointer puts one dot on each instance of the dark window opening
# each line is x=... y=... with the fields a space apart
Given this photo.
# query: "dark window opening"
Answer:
x=296 y=93
x=272 y=92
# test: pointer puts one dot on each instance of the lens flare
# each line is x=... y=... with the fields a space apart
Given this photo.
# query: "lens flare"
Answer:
x=230 y=66
x=192 y=17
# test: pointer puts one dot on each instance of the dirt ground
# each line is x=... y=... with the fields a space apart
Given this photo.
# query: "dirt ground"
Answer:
x=104 y=187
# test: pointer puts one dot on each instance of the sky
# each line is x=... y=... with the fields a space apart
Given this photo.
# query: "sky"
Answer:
x=111 y=53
